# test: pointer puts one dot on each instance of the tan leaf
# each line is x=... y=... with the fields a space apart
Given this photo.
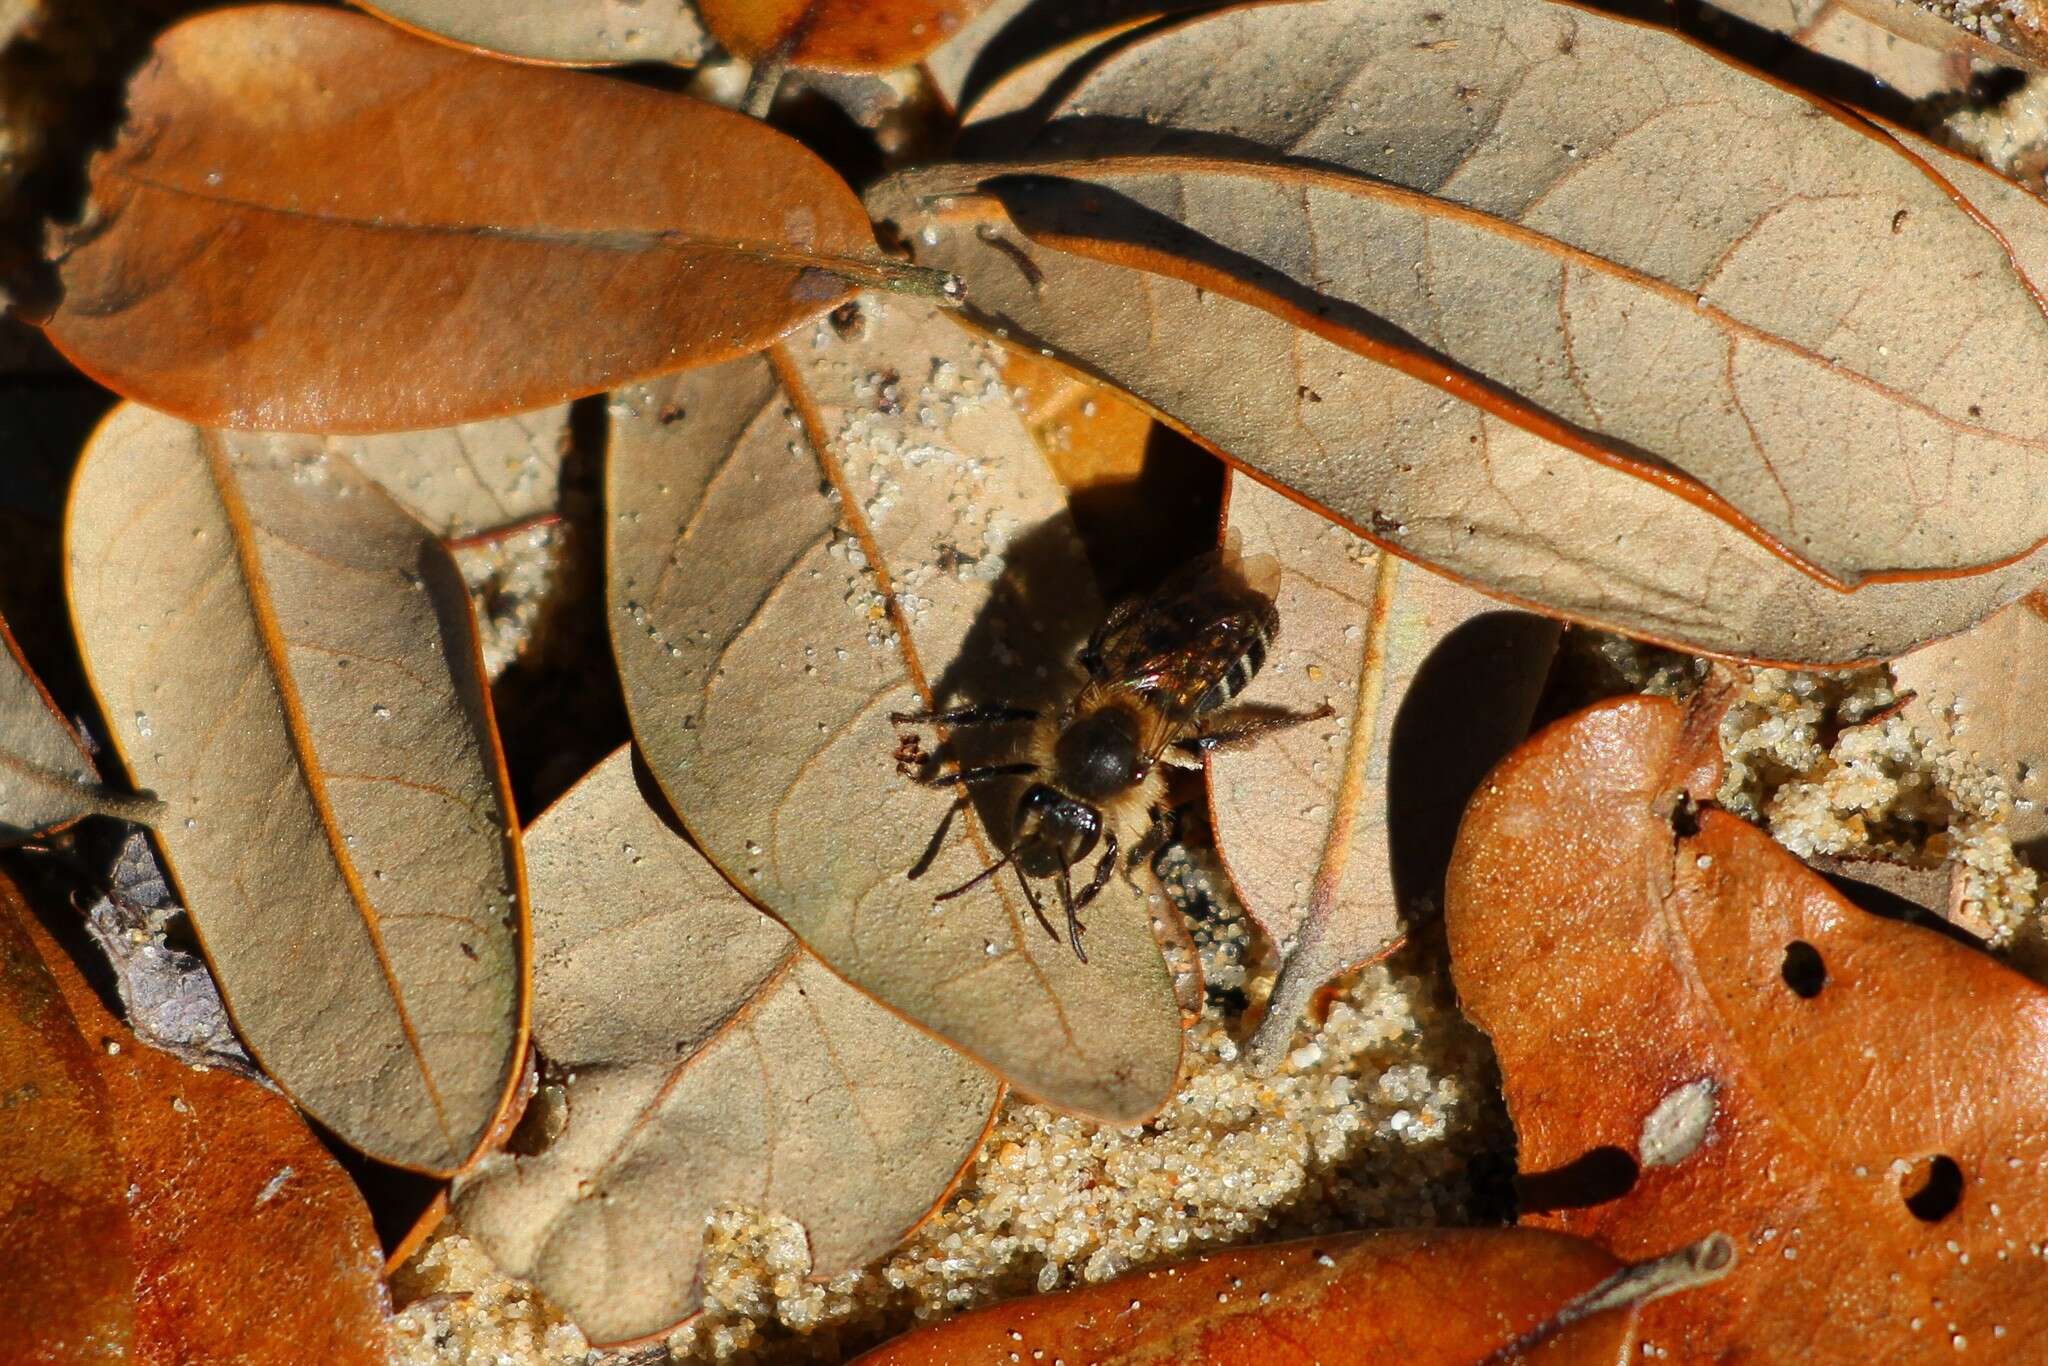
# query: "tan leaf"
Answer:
x=1008 y=56
x=1902 y=43
x=1679 y=1004
x=289 y=660
x=1569 y=260
x=67 y=1282
x=1336 y=833
x=709 y=1061
x=1986 y=692
x=46 y=779
x=314 y=222
x=837 y=35
x=578 y=32
x=251 y=1243
x=459 y=481
x=1448 y=484
x=804 y=543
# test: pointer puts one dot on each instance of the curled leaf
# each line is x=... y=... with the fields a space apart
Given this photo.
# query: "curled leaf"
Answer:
x=804 y=543
x=1490 y=145
x=709 y=1061
x=251 y=1244
x=1453 y=486
x=1450 y=1296
x=252 y=258
x=1985 y=693
x=47 y=781
x=1336 y=833
x=1904 y=44
x=1697 y=1033
x=577 y=32
x=67 y=1286
x=837 y=35
x=289 y=660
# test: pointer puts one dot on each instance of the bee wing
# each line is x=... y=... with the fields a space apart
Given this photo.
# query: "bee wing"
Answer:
x=1261 y=574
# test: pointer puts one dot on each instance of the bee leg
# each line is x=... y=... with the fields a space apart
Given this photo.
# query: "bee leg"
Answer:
x=1240 y=726
x=980 y=714
x=1164 y=831
x=1102 y=870
x=968 y=777
x=1037 y=908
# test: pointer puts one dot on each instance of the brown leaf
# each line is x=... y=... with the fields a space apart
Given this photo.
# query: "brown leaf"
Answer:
x=709 y=1061
x=250 y=1242
x=67 y=1281
x=1336 y=833
x=289 y=660
x=1984 y=691
x=1688 y=1016
x=805 y=542
x=1517 y=131
x=1535 y=524
x=576 y=32
x=1451 y=1296
x=313 y=222
x=1904 y=44
x=47 y=780
x=837 y=35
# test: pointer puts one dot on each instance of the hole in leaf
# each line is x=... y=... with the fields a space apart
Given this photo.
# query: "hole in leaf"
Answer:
x=1685 y=816
x=1593 y=1178
x=1803 y=969
x=1933 y=1188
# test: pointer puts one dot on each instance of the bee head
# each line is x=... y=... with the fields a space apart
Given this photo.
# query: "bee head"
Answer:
x=1053 y=830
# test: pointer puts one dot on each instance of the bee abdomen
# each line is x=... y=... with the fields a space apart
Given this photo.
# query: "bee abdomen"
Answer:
x=1243 y=669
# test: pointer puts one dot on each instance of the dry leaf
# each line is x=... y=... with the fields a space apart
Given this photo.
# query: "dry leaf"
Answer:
x=1902 y=43
x=805 y=542
x=1534 y=147
x=709 y=1061
x=1143 y=497
x=1986 y=693
x=250 y=1242
x=836 y=35
x=1336 y=833
x=578 y=32
x=67 y=1281
x=289 y=660
x=1013 y=51
x=46 y=778
x=1391 y=458
x=1417 y=1296
x=461 y=481
x=1683 y=1009
x=253 y=257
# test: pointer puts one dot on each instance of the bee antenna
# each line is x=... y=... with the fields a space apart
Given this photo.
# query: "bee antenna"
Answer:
x=1037 y=908
x=1073 y=919
x=974 y=881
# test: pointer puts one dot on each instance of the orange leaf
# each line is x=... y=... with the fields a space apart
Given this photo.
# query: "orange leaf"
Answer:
x=315 y=222
x=250 y=1242
x=67 y=1271
x=1414 y=1296
x=1681 y=1005
x=837 y=35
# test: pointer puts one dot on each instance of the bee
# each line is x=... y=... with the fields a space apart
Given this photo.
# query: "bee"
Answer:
x=1160 y=671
